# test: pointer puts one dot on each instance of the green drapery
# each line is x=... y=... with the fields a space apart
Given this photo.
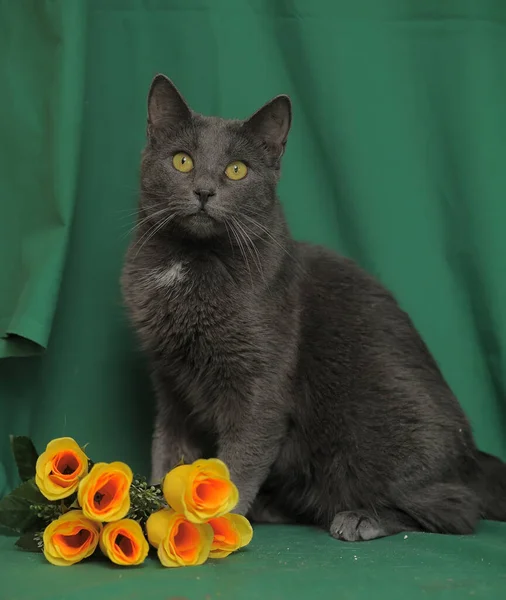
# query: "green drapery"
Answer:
x=41 y=104
x=396 y=158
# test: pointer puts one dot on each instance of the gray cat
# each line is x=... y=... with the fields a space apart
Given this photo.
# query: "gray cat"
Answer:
x=286 y=361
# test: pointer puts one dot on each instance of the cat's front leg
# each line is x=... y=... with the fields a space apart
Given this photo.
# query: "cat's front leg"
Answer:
x=172 y=443
x=169 y=449
x=249 y=444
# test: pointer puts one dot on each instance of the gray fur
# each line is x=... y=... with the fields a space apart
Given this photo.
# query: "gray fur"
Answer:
x=283 y=359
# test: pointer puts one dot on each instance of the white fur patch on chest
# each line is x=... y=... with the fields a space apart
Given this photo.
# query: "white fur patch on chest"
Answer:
x=169 y=277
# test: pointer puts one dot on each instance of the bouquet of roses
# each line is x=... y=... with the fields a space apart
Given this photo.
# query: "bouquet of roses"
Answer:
x=68 y=506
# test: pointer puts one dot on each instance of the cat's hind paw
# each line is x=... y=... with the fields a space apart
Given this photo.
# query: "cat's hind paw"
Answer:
x=354 y=526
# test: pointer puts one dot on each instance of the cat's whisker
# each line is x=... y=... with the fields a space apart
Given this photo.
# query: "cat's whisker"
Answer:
x=251 y=244
x=154 y=230
x=230 y=239
x=145 y=219
x=244 y=237
x=274 y=240
x=145 y=235
x=240 y=243
x=238 y=239
x=128 y=212
x=154 y=192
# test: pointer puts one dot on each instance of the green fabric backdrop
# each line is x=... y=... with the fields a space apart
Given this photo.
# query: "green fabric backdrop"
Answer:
x=396 y=158
x=42 y=46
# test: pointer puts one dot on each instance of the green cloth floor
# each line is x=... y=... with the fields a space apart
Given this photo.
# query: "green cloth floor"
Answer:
x=280 y=564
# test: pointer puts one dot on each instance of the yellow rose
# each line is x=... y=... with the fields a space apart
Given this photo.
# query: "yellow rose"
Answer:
x=123 y=542
x=70 y=539
x=231 y=532
x=60 y=467
x=180 y=543
x=104 y=494
x=200 y=491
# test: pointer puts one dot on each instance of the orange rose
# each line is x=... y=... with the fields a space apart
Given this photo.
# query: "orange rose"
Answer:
x=200 y=491
x=180 y=543
x=231 y=532
x=123 y=542
x=104 y=494
x=70 y=539
x=60 y=467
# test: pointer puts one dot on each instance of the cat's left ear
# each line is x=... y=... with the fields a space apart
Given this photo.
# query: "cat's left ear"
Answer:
x=166 y=106
x=272 y=123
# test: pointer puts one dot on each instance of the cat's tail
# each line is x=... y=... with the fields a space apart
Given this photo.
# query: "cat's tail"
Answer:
x=492 y=487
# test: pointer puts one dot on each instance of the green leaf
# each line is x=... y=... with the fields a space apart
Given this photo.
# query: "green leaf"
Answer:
x=73 y=504
x=28 y=543
x=29 y=491
x=15 y=511
x=25 y=456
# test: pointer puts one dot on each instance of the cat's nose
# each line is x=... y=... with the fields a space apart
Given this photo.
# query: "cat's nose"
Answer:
x=203 y=196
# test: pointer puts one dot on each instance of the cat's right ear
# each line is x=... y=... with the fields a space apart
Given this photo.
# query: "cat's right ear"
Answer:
x=272 y=123
x=166 y=107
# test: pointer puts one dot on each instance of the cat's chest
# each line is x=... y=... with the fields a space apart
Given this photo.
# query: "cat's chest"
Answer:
x=193 y=311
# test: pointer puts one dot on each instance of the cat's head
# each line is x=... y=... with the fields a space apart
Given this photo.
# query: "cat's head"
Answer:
x=204 y=176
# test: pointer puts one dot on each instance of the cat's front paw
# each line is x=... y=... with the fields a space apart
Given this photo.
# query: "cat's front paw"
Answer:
x=246 y=497
x=247 y=493
x=242 y=508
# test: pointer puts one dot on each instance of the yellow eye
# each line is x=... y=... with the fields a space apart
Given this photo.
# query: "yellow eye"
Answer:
x=236 y=170
x=182 y=162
